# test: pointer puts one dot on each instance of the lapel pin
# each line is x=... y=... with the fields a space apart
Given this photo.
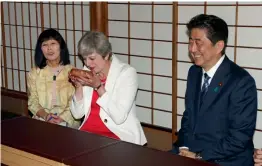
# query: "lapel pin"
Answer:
x=217 y=88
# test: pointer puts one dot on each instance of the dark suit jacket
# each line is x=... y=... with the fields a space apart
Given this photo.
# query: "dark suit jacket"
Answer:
x=222 y=128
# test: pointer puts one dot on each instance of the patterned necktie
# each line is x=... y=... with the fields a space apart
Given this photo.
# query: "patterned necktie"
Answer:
x=204 y=87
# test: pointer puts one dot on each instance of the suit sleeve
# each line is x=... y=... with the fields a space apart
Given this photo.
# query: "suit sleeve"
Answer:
x=119 y=103
x=66 y=115
x=77 y=108
x=242 y=118
x=184 y=130
x=33 y=103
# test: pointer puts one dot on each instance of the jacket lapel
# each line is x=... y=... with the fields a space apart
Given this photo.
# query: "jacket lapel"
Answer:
x=197 y=93
x=216 y=84
x=114 y=71
x=198 y=88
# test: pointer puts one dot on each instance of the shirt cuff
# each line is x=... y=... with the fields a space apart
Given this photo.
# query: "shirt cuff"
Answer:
x=183 y=147
x=77 y=102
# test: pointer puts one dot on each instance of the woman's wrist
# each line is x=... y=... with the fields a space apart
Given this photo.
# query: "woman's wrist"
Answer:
x=79 y=93
x=101 y=90
x=42 y=113
x=46 y=116
x=98 y=87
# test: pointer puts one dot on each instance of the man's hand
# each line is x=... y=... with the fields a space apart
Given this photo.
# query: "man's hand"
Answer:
x=258 y=157
x=187 y=153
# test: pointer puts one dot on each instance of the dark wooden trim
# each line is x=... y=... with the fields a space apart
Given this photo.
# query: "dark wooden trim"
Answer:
x=149 y=57
x=42 y=16
x=60 y=4
x=14 y=94
x=229 y=46
x=4 y=43
x=50 y=15
x=162 y=93
x=18 y=48
x=105 y=17
x=253 y=68
x=185 y=62
x=17 y=95
x=65 y=21
x=205 y=7
x=17 y=51
x=36 y=17
x=14 y=69
x=99 y=17
x=125 y=3
x=242 y=26
x=82 y=17
x=32 y=26
x=154 y=74
x=141 y=39
x=57 y=15
x=151 y=108
x=174 y=69
x=150 y=22
x=11 y=52
x=152 y=63
x=219 y=5
x=245 y=67
x=23 y=33
x=181 y=79
x=156 y=127
x=74 y=36
x=129 y=33
x=30 y=33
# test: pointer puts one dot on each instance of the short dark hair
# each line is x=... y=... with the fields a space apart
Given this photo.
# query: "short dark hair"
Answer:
x=216 y=28
x=48 y=34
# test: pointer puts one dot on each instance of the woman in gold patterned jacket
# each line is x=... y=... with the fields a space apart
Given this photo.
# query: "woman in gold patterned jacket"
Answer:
x=49 y=90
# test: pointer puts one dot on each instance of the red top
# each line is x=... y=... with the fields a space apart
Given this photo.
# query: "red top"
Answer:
x=94 y=123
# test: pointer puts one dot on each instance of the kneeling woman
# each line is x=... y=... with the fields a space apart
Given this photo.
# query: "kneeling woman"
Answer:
x=107 y=96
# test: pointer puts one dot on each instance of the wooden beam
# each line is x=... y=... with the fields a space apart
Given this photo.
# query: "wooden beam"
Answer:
x=99 y=17
x=174 y=71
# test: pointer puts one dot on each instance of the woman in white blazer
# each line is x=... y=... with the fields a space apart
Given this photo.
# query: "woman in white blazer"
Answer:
x=106 y=98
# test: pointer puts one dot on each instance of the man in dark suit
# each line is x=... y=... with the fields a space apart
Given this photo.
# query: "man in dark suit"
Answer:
x=221 y=100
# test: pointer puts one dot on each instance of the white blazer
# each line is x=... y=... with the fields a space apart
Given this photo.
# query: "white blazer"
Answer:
x=117 y=104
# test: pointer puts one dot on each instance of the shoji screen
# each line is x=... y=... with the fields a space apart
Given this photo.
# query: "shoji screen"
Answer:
x=22 y=23
x=20 y=27
x=244 y=45
x=141 y=35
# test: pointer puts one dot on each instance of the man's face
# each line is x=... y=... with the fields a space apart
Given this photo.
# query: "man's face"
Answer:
x=203 y=52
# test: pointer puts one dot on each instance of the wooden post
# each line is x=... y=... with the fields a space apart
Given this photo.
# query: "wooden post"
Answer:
x=174 y=72
x=99 y=17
